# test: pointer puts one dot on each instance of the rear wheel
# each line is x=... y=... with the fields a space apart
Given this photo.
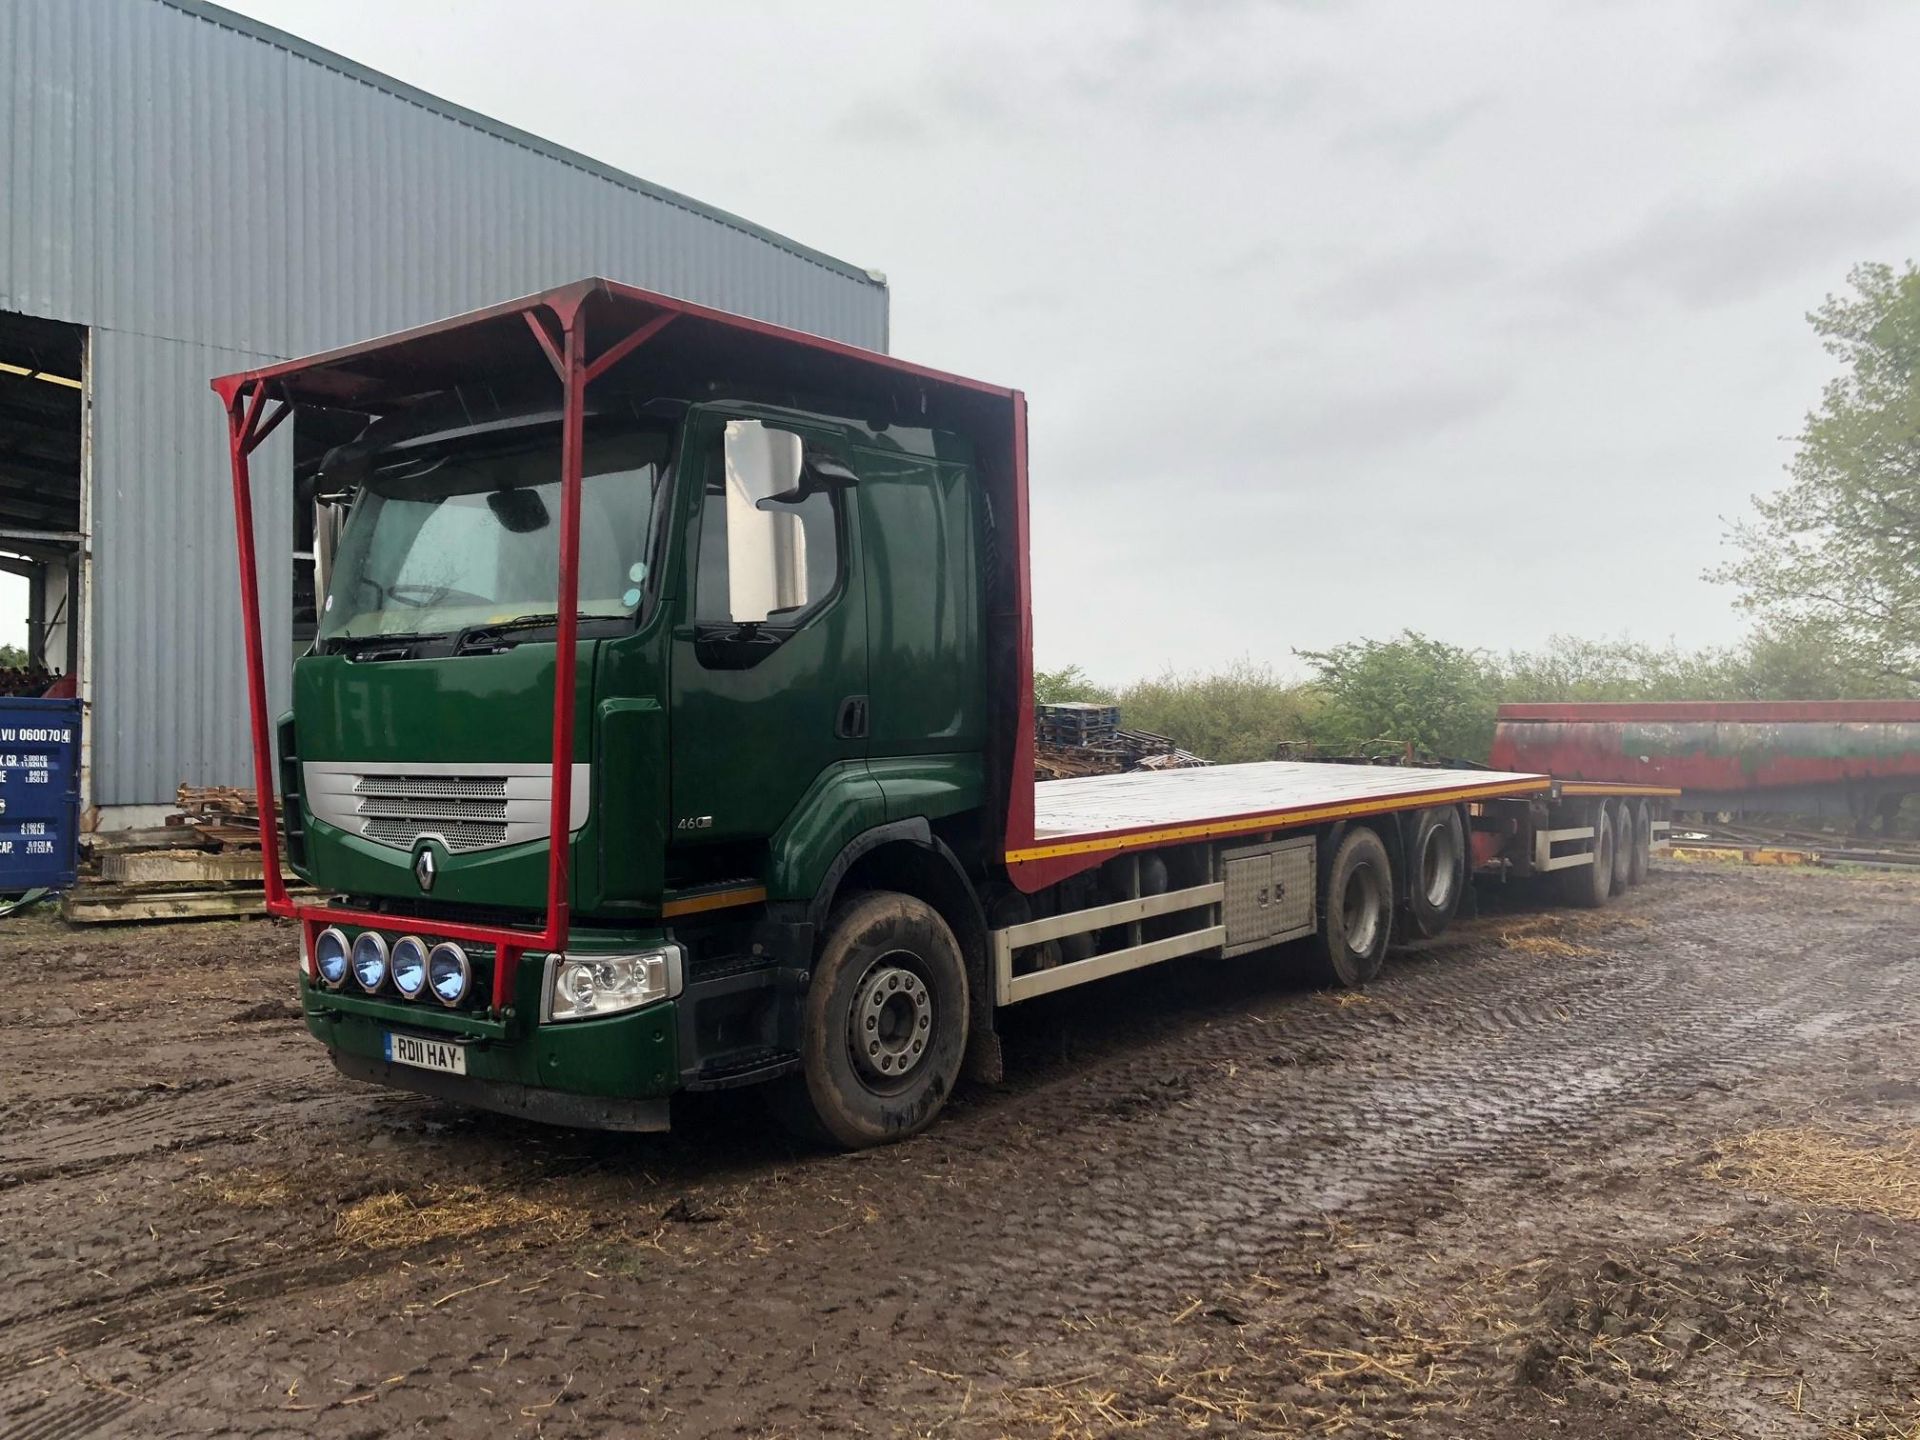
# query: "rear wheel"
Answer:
x=1436 y=869
x=885 y=1024
x=1625 y=839
x=1356 y=913
x=1642 y=842
x=1591 y=886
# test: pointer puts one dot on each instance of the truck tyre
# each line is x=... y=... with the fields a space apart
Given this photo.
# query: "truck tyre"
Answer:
x=1436 y=869
x=884 y=1024
x=1625 y=838
x=1591 y=886
x=1356 y=911
x=1642 y=842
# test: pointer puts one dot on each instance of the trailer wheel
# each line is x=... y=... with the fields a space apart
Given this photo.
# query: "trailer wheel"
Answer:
x=1642 y=842
x=1591 y=886
x=1356 y=913
x=1436 y=869
x=884 y=1024
x=1625 y=838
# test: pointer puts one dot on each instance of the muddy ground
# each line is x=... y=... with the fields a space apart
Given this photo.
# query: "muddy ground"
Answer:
x=1646 y=1172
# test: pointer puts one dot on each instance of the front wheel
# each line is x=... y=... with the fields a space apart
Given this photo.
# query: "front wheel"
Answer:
x=885 y=1023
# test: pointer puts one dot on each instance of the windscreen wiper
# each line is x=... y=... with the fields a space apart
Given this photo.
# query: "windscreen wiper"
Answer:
x=477 y=637
x=370 y=647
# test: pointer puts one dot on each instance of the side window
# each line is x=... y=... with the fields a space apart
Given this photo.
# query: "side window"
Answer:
x=769 y=546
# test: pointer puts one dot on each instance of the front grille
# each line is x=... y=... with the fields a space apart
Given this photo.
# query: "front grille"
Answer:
x=466 y=808
x=467 y=812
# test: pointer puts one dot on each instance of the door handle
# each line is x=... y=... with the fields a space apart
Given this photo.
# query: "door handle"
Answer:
x=851 y=723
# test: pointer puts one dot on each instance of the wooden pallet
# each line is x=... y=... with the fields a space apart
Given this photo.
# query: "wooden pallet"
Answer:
x=181 y=867
x=205 y=863
x=99 y=904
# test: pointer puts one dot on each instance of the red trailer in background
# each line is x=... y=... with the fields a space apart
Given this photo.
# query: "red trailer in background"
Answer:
x=1851 y=758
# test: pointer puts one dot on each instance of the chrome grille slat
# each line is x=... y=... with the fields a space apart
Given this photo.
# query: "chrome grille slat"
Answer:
x=406 y=807
x=459 y=835
x=457 y=787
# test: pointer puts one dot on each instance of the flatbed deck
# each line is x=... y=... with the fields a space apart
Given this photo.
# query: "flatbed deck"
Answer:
x=1145 y=808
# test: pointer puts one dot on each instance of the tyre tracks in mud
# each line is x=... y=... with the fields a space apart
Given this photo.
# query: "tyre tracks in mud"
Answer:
x=177 y=1118
x=1471 y=1056
x=1160 y=1137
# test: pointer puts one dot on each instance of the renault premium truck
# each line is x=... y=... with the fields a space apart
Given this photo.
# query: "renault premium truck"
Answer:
x=669 y=727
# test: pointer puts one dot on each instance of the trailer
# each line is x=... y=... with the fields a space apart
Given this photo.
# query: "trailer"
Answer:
x=1848 y=758
x=670 y=727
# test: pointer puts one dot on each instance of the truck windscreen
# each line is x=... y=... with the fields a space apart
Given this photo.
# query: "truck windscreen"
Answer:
x=449 y=535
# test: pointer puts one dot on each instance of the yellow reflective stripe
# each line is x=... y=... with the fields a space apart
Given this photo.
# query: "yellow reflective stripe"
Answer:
x=715 y=900
x=1602 y=787
x=1273 y=821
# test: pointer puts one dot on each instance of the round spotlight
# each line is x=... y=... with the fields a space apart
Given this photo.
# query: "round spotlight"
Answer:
x=449 y=973
x=409 y=964
x=330 y=957
x=369 y=960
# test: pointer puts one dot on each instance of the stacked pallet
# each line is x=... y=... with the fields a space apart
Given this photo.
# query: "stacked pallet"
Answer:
x=1075 y=723
x=205 y=862
x=1076 y=738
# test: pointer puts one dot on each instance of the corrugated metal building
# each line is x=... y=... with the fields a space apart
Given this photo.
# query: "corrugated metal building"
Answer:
x=189 y=192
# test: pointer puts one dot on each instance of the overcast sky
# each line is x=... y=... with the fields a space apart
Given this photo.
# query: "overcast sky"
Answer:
x=1334 y=319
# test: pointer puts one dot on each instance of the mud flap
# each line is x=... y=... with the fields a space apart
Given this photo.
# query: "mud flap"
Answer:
x=983 y=1063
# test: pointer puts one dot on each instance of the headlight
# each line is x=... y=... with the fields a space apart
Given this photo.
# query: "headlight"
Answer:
x=449 y=972
x=581 y=987
x=369 y=960
x=409 y=964
x=330 y=957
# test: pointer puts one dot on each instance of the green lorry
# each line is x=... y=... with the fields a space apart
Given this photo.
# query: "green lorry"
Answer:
x=668 y=726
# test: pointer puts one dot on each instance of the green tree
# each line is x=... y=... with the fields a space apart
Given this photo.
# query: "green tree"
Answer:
x=12 y=657
x=1067 y=684
x=1437 y=696
x=1837 y=551
x=1241 y=713
x=1570 y=668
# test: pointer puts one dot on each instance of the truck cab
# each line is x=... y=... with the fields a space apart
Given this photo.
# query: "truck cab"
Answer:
x=779 y=650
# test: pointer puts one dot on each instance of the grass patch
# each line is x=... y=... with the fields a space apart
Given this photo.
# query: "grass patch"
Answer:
x=1541 y=936
x=391 y=1220
x=249 y=1189
x=1868 y=1172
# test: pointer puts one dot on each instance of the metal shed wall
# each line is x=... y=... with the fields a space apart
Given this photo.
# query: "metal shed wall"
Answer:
x=207 y=193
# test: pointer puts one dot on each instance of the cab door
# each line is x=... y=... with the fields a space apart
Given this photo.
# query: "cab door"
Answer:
x=769 y=663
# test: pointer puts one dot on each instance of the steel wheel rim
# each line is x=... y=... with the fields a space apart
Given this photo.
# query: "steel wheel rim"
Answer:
x=1436 y=867
x=1360 y=910
x=890 y=1023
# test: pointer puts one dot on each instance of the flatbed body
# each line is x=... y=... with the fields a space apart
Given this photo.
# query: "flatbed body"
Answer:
x=1100 y=815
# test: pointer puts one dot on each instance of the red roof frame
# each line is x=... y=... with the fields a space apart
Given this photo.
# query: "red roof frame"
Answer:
x=557 y=323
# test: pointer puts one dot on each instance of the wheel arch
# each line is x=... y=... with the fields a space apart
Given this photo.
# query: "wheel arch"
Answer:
x=1391 y=828
x=907 y=857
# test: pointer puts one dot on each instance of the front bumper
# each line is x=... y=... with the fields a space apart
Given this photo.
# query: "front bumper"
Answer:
x=524 y=1102
x=614 y=1073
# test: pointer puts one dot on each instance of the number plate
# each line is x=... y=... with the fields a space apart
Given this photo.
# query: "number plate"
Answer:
x=411 y=1050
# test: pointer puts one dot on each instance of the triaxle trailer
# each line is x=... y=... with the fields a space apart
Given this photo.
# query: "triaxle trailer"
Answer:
x=1850 y=758
x=744 y=615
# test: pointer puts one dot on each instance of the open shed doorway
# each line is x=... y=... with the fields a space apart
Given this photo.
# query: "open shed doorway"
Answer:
x=42 y=524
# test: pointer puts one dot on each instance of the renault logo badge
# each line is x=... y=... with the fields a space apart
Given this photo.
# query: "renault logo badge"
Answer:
x=423 y=868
